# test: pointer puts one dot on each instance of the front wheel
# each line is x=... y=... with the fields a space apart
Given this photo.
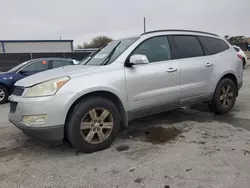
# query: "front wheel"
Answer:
x=93 y=124
x=224 y=97
x=4 y=94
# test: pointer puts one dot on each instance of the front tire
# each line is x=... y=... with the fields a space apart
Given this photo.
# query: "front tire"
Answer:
x=4 y=94
x=224 y=97
x=93 y=124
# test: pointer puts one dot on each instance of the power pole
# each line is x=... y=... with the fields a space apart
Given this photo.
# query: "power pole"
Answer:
x=144 y=24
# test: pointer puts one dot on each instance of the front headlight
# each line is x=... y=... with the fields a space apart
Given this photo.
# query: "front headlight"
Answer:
x=47 y=88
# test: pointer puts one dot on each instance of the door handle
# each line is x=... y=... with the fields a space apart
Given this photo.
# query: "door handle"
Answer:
x=171 y=69
x=209 y=64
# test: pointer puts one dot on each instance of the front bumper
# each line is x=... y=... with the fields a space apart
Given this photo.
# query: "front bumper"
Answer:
x=55 y=107
x=50 y=135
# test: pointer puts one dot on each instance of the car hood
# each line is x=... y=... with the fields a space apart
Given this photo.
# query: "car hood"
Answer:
x=5 y=74
x=56 y=73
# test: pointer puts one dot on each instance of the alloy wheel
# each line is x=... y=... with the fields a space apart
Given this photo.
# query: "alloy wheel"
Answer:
x=2 y=95
x=96 y=125
x=226 y=96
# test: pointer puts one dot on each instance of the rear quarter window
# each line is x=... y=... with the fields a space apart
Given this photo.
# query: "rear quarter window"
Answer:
x=236 y=49
x=185 y=46
x=213 y=46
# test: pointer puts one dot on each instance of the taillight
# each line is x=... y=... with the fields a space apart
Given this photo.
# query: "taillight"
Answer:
x=240 y=56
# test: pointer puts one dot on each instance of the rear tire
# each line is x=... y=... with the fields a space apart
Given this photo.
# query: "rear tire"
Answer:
x=4 y=94
x=93 y=124
x=224 y=97
x=244 y=62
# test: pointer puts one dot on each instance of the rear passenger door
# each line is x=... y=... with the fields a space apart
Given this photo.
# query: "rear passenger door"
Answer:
x=60 y=63
x=196 y=68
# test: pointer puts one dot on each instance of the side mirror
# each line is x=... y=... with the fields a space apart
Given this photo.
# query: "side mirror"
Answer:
x=138 y=59
x=23 y=72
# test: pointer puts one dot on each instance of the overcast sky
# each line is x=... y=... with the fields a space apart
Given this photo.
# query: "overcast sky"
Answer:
x=81 y=20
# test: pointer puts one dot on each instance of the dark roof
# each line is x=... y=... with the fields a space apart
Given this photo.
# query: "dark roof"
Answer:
x=36 y=40
x=180 y=30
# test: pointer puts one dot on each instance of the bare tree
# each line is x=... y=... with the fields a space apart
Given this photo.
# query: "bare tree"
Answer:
x=236 y=39
x=96 y=42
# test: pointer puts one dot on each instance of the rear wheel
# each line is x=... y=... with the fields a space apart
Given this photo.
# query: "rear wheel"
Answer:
x=244 y=62
x=4 y=94
x=224 y=97
x=93 y=124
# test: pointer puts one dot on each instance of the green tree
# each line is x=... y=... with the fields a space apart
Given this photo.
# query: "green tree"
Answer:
x=96 y=42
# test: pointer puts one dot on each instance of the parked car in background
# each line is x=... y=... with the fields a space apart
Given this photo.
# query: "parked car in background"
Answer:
x=241 y=55
x=8 y=79
x=127 y=79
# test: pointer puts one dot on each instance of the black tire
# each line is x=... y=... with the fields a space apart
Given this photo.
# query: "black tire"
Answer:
x=6 y=94
x=244 y=62
x=73 y=131
x=216 y=104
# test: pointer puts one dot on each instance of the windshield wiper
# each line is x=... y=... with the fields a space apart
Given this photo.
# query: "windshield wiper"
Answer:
x=106 y=60
x=92 y=55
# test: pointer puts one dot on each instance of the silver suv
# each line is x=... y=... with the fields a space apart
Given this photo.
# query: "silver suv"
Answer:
x=127 y=79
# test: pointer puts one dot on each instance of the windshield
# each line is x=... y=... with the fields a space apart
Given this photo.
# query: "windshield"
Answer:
x=83 y=62
x=19 y=66
x=101 y=56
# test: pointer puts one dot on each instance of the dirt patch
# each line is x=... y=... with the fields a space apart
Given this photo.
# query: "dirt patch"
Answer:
x=139 y=180
x=154 y=135
x=122 y=148
x=246 y=152
x=160 y=134
x=202 y=142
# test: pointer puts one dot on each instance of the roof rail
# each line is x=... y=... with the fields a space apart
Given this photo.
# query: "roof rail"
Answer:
x=193 y=31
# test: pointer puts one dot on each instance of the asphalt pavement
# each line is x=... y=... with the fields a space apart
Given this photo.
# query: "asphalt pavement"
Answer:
x=189 y=148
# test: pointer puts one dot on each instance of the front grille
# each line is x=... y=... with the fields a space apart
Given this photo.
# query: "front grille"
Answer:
x=13 y=106
x=18 y=91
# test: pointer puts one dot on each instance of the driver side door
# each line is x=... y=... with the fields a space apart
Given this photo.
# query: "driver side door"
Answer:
x=153 y=87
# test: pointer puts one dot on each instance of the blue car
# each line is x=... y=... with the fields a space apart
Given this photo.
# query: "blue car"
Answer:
x=8 y=79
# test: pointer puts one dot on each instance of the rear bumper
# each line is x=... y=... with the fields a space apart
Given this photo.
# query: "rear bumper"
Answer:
x=240 y=85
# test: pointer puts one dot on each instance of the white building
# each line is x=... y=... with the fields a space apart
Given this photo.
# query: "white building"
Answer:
x=35 y=46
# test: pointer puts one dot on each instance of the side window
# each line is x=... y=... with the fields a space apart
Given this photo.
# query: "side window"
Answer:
x=36 y=66
x=237 y=49
x=156 y=49
x=185 y=46
x=61 y=63
x=213 y=45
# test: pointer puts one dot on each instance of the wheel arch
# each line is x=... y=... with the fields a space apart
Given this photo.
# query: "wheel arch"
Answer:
x=105 y=94
x=4 y=85
x=232 y=77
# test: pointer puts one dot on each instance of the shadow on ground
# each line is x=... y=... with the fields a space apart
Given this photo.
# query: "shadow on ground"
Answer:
x=148 y=129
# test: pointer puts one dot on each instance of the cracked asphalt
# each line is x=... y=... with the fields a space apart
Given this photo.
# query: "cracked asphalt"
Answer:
x=210 y=151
